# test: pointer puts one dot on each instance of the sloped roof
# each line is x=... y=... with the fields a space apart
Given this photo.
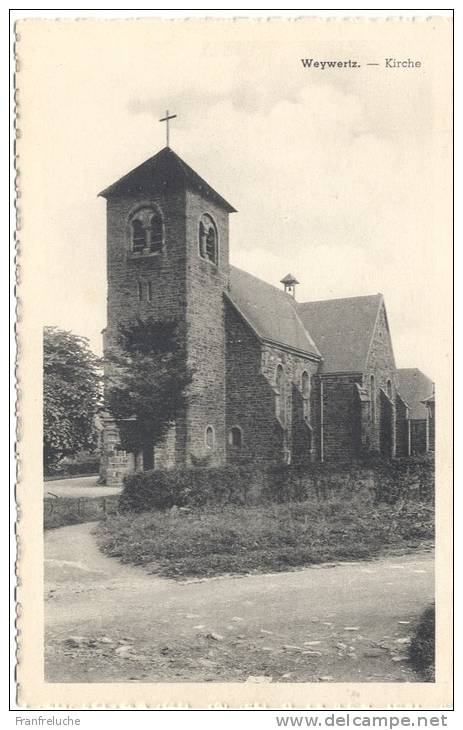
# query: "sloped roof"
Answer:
x=289 y=279
x=342 y=329
x=414 y=387
x=271 y=313
x=166 y=166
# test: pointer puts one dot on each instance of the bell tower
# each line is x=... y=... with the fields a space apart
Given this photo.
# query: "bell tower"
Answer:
x=167 y=258
x=289 y=282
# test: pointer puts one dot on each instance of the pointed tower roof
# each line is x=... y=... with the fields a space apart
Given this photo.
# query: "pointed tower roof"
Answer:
x=159 y=171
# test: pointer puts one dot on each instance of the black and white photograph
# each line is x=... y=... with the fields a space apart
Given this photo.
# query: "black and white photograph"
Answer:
x=235 y=353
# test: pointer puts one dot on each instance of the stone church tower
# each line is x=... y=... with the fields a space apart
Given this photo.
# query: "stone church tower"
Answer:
x=167 y=258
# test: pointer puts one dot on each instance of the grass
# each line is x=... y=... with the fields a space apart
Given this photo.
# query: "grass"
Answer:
x=265 y=538
x=422 y=647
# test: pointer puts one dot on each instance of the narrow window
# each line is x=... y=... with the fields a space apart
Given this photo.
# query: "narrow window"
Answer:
x=210 y=437
x=372 y=399
x=389 y=388
x=138 y=236
x=305 y=386
x=280 y=395
x=202 y=240
x=208 y=248
x=140 y=291
x=150 y=291
x=211 y=245
x=155 y=233
x=235 y=437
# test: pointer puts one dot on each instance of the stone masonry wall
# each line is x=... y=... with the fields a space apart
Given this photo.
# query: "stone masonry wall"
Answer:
x=250 y=400
x=299 y=439
x=165 y=271
x=419 y=436
x=251 y=394
x=341 y=417
x=205 y=285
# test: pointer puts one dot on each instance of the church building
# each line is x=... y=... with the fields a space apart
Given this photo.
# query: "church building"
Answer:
x=275 y=380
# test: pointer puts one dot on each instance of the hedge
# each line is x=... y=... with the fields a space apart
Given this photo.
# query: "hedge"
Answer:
x=182 y=487
x=387 y=480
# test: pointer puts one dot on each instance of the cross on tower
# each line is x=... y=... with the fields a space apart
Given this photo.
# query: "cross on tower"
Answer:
x=166 y=120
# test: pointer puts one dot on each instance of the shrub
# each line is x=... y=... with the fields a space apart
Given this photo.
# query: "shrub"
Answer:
x=162 y=490
x=388 y=481
x=422 y=647
x=405 y=478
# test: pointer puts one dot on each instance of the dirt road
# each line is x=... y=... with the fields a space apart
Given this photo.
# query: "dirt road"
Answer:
x=106 y=622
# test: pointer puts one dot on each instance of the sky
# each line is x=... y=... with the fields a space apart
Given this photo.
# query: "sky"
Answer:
x=337 y=176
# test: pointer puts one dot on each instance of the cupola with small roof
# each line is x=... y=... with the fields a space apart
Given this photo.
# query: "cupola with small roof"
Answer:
x=289 y=282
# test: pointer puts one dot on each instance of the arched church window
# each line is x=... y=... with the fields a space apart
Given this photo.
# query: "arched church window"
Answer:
x=210 y=437
x=305 y=387
x=208 y=245
x=389 y=388
x=235 y=437
x=202 y=240
x=138 y=236
x=156 y=233
x=305 y=384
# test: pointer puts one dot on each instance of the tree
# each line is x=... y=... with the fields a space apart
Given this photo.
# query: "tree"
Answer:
x=71 y=395
x=146 y=382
